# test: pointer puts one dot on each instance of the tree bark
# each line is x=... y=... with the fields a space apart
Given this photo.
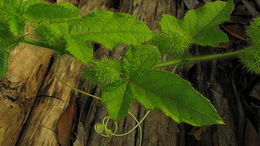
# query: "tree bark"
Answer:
x=38 y=110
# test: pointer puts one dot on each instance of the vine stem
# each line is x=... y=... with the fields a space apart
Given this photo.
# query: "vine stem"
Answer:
x=36 y=43
x=68 y=85
x=163 y=64
x=138 y=124
x=201 y=58
x=77 y=90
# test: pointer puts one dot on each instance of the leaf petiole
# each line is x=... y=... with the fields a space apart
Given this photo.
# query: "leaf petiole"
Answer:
x=200 y=58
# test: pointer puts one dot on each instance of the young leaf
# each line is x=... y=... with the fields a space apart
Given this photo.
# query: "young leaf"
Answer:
x=51 y=12
x=117 y=98
x=3 y=63
x=140 y=58
x=80 y=49
x=174 y=96
x=111 y=29
x=201 y=24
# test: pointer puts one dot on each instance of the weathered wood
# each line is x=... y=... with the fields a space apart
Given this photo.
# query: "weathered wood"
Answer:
x=53 y=98
x=27 y=68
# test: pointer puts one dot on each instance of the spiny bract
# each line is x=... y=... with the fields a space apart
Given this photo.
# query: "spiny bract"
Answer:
x=253 y=31
x=251 y=59
x=7 y=39
x=51 y=35
x=173 y=43
x=103 y=72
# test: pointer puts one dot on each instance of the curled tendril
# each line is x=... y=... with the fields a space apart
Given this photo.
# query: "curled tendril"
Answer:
x=102 y=128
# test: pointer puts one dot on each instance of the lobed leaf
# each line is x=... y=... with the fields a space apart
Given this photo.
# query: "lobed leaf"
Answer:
x=157 y=90
x=118 y=96
x=110 y=29
x=202 y=24
x=164 y=91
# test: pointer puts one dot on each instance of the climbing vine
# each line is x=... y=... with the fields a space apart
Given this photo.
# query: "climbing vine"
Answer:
x=139 y=75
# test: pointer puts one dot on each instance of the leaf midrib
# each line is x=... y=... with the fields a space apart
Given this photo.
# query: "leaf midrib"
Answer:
x=212 y=20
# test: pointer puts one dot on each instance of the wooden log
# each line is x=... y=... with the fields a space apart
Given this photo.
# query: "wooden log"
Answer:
x=27 y=69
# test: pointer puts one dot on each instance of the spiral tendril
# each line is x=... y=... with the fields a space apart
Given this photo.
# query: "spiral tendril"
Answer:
x=102 y=128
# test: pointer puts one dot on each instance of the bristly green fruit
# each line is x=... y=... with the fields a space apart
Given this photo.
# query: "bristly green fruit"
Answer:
x=253 y=31
x=174 y=43
x=103 y=72
x=251 y=59
x=51 y=35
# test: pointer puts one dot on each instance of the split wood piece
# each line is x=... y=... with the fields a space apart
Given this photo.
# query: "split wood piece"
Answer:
x=27 y=69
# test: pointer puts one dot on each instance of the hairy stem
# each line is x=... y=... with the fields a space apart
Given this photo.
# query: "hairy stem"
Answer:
x=36 y=43
x=201 y=58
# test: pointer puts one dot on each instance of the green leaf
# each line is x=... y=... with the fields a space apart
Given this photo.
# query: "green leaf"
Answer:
x=26 y=4
x=160 y=90
x=79 y=48
x=3 y=63
x=51 y=12
x=117 y=96
x=157 y=90
x=117 y=99
x=111 y=29
x=70 y=6
x=174 y=96
x=202 y=24
x=140 y=58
